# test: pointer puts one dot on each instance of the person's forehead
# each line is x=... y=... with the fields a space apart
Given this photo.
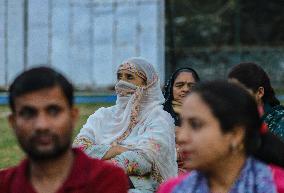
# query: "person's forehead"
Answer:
x=42 y=97
x=193 y=100
x=185 y=77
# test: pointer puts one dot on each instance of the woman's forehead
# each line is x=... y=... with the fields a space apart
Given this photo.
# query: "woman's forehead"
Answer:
x=196 y=105
x=185 y=76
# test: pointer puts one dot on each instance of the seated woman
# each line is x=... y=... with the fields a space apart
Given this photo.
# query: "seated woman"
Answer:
x=220 y=132
x=136 y=133
x=254 y=79
x=178 y=86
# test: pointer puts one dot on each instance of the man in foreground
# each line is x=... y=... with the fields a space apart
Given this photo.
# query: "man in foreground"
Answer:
x=43 y=118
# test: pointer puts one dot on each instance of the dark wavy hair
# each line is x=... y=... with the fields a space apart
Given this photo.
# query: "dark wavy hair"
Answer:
x=253 y=76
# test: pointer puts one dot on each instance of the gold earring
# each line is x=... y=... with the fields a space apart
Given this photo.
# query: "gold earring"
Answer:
x=233 y=147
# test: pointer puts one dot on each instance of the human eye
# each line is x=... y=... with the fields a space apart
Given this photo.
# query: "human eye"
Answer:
x=130 y=77
x=27 y=113
x=54 y=110
x=119 y=76
x=179 y=85
x=191 y=85
x=195 y=124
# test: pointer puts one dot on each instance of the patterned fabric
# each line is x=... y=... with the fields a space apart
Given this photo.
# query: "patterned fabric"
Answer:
x=90 y=148
x=255 y=177
x=138 y=170
x=274 y=118
x=123 y=88
x=138 y=122
x=131 y=67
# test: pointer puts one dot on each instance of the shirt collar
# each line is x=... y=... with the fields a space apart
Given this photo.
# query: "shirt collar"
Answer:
x=77 y=177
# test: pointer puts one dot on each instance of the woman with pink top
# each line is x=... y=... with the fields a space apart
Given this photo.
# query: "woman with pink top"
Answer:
x=218 y=138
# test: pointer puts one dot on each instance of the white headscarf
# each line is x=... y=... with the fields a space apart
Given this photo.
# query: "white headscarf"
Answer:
x=138 y=121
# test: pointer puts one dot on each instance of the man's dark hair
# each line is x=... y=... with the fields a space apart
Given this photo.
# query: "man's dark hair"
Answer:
x=36 y=79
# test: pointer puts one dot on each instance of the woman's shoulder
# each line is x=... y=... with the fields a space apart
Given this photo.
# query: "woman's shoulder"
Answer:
x=274 y=112
x=160 y=116
x=275 y=120
x=169 y=185
x=278 y=176
x=161 y=112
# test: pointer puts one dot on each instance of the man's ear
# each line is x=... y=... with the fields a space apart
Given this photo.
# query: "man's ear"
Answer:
x=11 y=120
x=74 y=115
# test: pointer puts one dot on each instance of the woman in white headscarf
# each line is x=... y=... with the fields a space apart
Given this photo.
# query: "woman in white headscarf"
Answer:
x=136 y=133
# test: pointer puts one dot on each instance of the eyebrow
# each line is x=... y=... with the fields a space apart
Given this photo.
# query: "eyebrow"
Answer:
x=184 y=82
x=127 y=73
x=25 y=108
x=29 y=107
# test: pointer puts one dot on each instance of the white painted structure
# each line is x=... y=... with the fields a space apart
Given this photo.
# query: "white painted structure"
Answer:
x=84 y=39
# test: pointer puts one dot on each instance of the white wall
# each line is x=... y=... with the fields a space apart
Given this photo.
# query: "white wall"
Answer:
x=85 y=39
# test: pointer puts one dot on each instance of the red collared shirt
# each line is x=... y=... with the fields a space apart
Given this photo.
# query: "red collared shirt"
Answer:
x=87 y=176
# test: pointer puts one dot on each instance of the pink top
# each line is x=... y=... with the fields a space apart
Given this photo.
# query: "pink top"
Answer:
x=278 y=175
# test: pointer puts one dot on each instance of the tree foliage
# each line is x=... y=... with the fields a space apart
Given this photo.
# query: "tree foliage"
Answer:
x=224 y=22
x=212 y=36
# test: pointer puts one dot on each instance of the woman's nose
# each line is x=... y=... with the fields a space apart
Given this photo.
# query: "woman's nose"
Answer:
x=185 y=88
x=123 y=78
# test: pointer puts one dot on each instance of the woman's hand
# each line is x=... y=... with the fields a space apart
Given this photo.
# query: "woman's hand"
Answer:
x=179 y=155
x=114 y=151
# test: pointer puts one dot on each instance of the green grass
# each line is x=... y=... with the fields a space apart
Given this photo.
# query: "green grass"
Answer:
x=10 y=153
